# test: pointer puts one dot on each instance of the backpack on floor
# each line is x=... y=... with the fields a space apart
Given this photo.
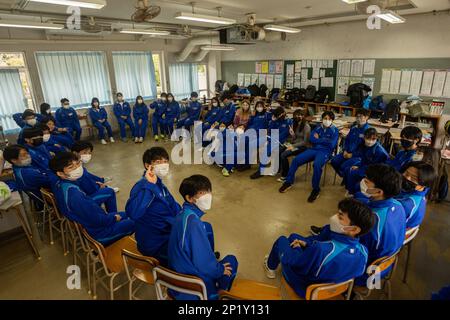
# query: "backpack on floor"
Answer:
x=310 y=93
x=322 y=95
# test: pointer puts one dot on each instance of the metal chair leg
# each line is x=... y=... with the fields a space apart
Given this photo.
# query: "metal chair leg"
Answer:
x=94 y=281
x=62 y=229
x=88 y=273
x=28 y=233
x=111 y=286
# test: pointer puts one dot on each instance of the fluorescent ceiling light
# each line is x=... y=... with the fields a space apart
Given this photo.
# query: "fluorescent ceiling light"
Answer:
x=146 y=31
x=30 y=25
x=91 y=4
x=391 y=16
x=204 y=18
x=274 y=27
x=218 y=48
x=353 y=1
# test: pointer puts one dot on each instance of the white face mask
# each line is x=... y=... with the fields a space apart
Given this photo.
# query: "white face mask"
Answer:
x=46 y=137
x=85 y=158
x=239 y=131
x=31 y=122
x=76 y=174
x=161 y=170
x=66 y=106
x=170 y=99
x=417 y=157
x=327 y=123
x=215 y=104
x=204 y=202
x=194 y=99
x=260 y=109
x=336 y=226
x=364 y=188
x=26 y=162
x=370 y=143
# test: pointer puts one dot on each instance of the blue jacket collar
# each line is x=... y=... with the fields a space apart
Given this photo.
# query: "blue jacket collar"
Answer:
x=343 y=238
x=381 y=203
x=193 y=208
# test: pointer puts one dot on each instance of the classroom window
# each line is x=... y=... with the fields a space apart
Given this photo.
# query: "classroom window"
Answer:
x=78 y=76
x=136 y=74
x=183 y=79
x=15 y=90
x=202 y=80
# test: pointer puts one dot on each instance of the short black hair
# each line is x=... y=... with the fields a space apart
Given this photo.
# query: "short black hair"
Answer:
x=216 y=100
x=153 y=154
x=62 y=160
x=163 y=94
x=12 y=152
x=119 y=94
x=371 y=132
x=139 y=98
x=95 y=100
x=28 y=113
x=79 y=146
x=43 y=127
x=363 y=112
x=426 y=173
x=171 y=95
x=194 y=184
x=359 y=214
x=64 y=100
x=46 y=120
x=226 y=95
x=44 y=107
x=385 y=178
x=30 y=133
x=194 y=94
x=328 y=113
x=278 y=111
x=411 y=132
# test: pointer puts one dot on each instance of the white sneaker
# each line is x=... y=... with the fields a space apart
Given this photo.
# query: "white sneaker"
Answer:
x=141 y=139
x=136 y=140
x=103 y=141
x=112 y=140
x=269 y=272
x=116 y=189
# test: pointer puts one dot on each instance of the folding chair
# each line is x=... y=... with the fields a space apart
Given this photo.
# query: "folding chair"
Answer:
x=409 y=237
x=377 y=267
x=168 y=279
x=110 y=260
x=138 y=267
x=320 y=291
x=56 y=221
x=250 y=290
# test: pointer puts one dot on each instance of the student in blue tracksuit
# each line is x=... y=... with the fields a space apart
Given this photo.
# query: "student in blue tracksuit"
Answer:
x=67 y=117
x=284 y=126
x=381 y=184
x=140 y=115
x=410 y=138
x=191 y=250
x=74 y=204
x=45 y=111
x=259 y=121
x=418 y=178
x=28 y=114
x=34 y=143
x=49 y=141
x=228 y=111
x=122 y=111
x=194 y=111
x=335 y=255
x=323 y=139
x=94 y=186
x=212 y=116
x=99 y=118
x=159 y=106
x=171 y=115
x=29 y=121
x=352 y=142
x=59 y=135
x=152 y=207
x=372 y=152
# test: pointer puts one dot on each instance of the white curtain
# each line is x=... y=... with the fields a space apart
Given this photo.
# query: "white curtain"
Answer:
x=77 y=76
x=183 y=79
x=12 y=99
x=135 y=74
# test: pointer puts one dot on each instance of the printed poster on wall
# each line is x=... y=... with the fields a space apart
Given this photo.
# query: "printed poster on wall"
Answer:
x=278 y=66
x=240 y=79
x=262 y=79
x=258 y=67
x=272 y=67
x=248 y=80
x=290 y=70
x=342 y=85
x=278 y=81
x=265 y=67
x=254 y=79
x=298 y=66
x=269 y=81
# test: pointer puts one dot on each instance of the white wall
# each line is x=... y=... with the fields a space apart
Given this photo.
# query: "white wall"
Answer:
x=422 y=36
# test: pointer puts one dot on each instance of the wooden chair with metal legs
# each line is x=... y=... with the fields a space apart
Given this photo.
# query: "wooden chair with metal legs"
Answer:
x=320 y=291
x=377 y=267
x=168 y=279
x=407 y=244
x=243 y=289
x=56 y=221
x=138 y=267
x=110 y=260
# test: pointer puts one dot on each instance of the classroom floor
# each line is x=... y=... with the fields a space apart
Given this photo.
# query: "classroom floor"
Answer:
x=247 y=217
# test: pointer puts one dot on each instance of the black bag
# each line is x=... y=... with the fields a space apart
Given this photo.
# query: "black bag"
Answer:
x=263 y=90
x=322 y=95
x=392 y=111
x=443 y=187
x=358 y=92
x=234 y=88
x=274 y=94
x=310 y=93
x=302 y=94
x=254 y=90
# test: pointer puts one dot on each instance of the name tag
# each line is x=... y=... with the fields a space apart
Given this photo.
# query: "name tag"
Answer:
x=70 y=114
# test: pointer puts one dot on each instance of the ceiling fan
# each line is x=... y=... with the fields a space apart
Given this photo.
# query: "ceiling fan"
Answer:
x=145 y=12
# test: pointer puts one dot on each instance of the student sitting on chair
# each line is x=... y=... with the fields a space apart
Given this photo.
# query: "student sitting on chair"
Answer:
x=92 y=185
x=25 y=118
x=74 y=204
x=194 y=111
x=99 y=118
x=353 y=141
x=67 y=117
x=29 y=121
x=243 y=115
x=211 y=118
x=229 y=109
x=418 y=178
x=323 y=140
x=335 y=255
x=410 y=137
x=122 y=111
x=171 y=115
x=191 y=244
x=46 y=111
x=159 y=105
x=372 y=152
x=140 y=115
x=49 y=141
x=34 y=143
x=152 y=206
x=60 y=135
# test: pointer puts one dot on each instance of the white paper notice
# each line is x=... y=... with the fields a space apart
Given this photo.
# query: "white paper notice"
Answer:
x=240 y=79
x=327 y=82
x=305 y=74
x=247 y=80
x=416 y=82
x=314 y=64
x=297 y=84
x=446 y=92
x=357 y=68
x=369 y=67
x=278 y=82
x=322 y=73
x=342 y=85
x=438 y=83
x=269 y=81
x=304 y=83
x=394 y=86
x=308 y=63
x=371 y=83
x=330 y=64
x=298 y=66
x=262 y=79
x=304 y=62
x=427 y=83
x=254 y=78
x=315 y=82
x=385 y=80
x=316 y=73
x=290 y=70
x=344 y=68
x=405 y=82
